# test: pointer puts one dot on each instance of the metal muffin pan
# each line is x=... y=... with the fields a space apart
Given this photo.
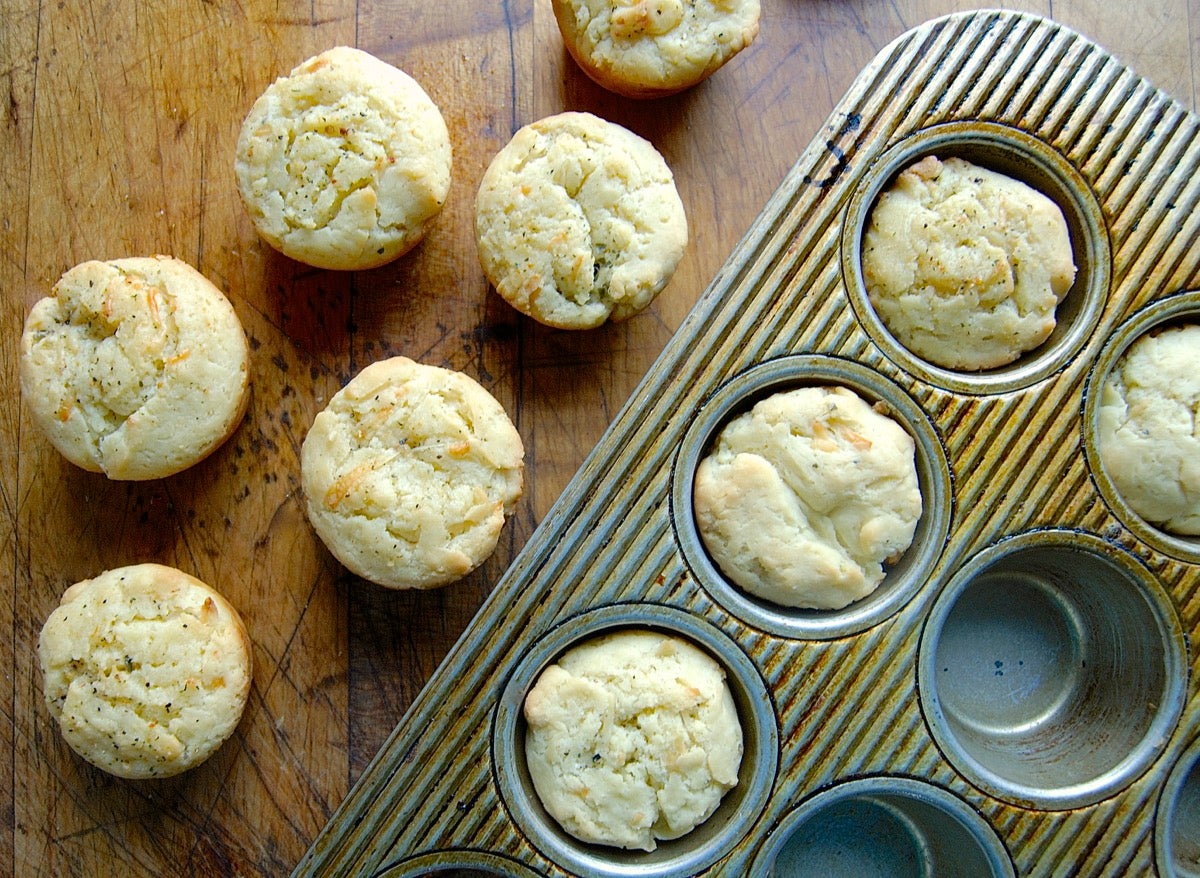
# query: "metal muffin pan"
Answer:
x=1019 y=697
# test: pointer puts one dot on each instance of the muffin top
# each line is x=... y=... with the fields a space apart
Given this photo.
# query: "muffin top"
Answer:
x=410 y=472
x=1148 y=439
x=804 y=499
x=966 y=266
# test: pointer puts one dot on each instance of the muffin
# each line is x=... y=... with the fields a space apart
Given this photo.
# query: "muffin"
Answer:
x=965 y=266
x=145 y=669
x=410 y=472
x=578 y=222
x=805 y=498
x=653 y=48
x=1147 y=437
x=344 y=162
x=632 y=737
x=137 y=368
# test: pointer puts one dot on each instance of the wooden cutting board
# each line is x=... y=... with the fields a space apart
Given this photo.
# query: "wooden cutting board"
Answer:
x=118 y=135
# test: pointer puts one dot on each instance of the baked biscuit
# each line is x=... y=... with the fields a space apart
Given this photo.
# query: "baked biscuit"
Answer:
x=803 y=499
x=136 y=368
x=965 y=266
x=145 y=669
x=344 y=162
x=632 y=737
x=578 y=221
x=1147 y=436
x=652 y=48
x=410 y=472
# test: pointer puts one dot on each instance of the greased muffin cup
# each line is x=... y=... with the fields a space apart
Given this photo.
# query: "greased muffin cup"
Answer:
x=1015 y=698
x=1052 y=669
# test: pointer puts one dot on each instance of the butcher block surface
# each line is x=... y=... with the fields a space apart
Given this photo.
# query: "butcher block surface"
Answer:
x=119 y=125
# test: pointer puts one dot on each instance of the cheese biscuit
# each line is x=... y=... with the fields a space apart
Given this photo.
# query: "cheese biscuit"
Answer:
x=653 y=48
x=145 y=669
x=410 y=472
x=344 y=162
x=804 y=499
x=965 y=266
x=1148 y=438
x=137 y=368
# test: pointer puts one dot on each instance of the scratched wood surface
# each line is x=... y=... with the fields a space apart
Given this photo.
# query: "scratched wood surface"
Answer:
x=118 y=126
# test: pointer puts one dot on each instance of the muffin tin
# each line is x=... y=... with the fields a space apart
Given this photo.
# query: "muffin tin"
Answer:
x=1018 y=697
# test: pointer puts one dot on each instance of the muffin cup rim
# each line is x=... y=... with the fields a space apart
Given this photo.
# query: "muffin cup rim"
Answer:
x=1185 y=764
x=437 y=862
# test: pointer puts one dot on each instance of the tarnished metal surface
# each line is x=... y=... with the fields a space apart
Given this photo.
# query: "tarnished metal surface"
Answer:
x=1008 y=454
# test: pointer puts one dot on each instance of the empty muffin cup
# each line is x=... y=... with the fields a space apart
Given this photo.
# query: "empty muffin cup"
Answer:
x=1020 y=157
x=1138 y=429
x=902 y=576
x=1177 y=823
x=883 y=827
x=709 y=840
x=458 y=864
x=1052 y=669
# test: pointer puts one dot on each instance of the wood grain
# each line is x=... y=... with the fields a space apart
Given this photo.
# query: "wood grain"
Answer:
x=118 y=131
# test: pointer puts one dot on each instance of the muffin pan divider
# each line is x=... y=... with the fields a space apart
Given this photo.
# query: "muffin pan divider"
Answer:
x=830 y=711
